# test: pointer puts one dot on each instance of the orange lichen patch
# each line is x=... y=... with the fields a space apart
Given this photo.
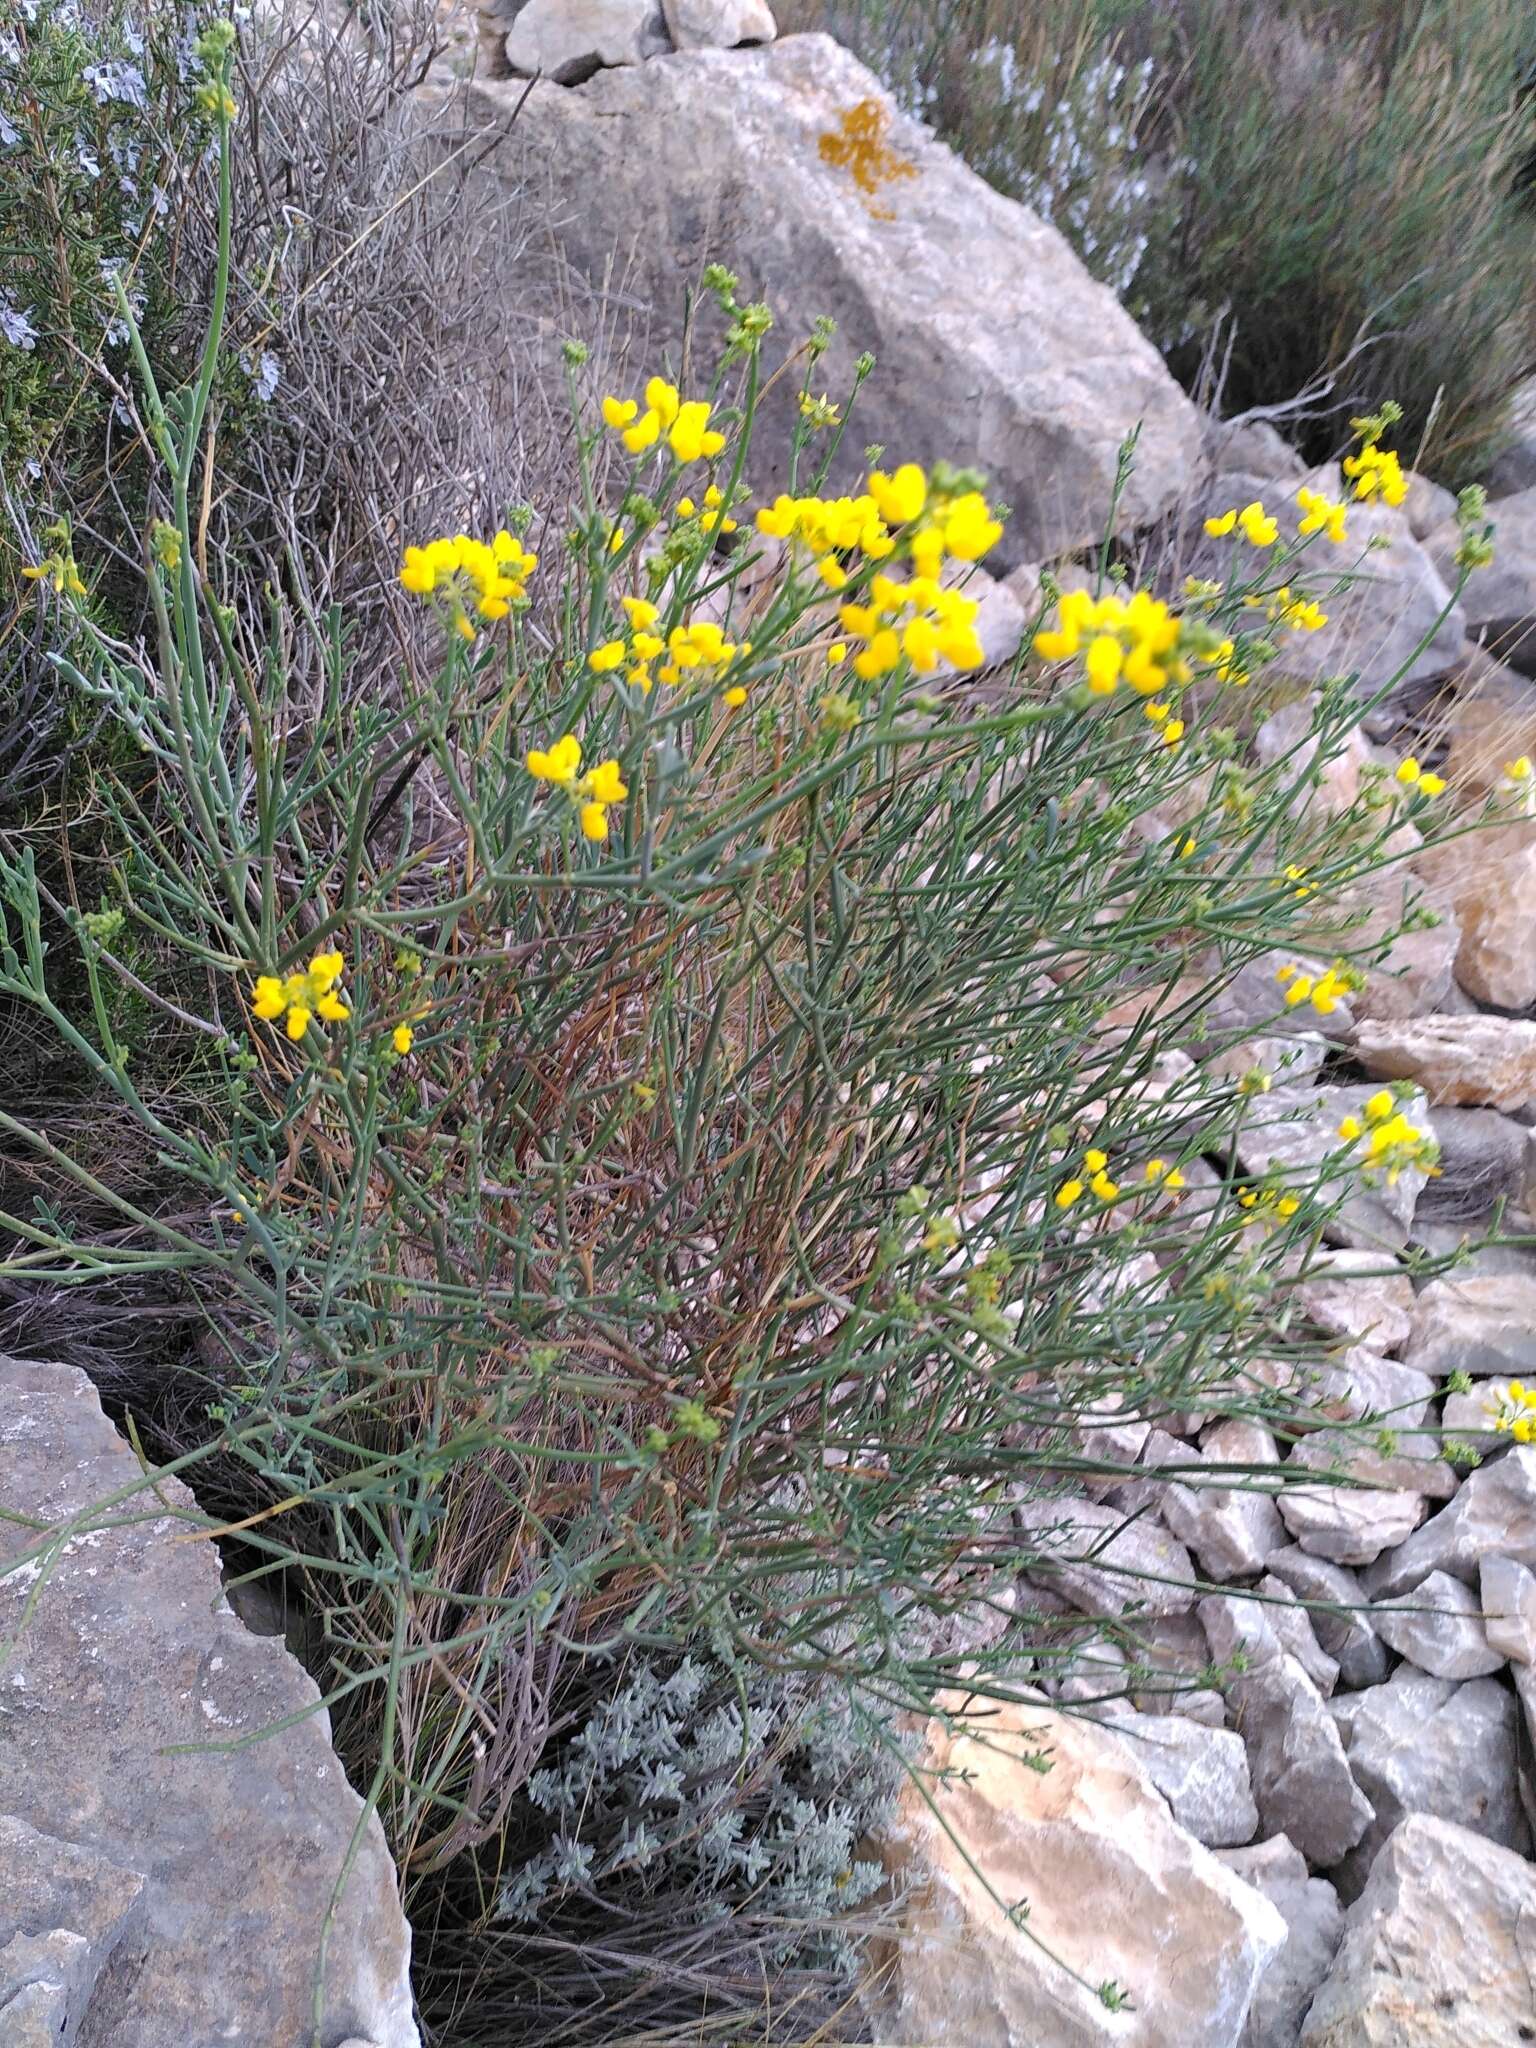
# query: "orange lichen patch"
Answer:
x=860 y=148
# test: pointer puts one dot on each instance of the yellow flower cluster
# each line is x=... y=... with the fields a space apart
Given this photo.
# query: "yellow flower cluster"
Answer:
x=469 y=575
x=1412 y=776
x=1515 y=1415
x=1131 y=639
x=1377 y=473
x=1321 y=515
x=59 y=570
x=1284 y=608
x=829 y=527
x=920 y=619
x=940 y=525
x=685 y=422
x=1322 y=991
x=1268 y=1205
x=592 y=793
x=699 y=645
x=1392 y=1142
x=1094 y=1175
x=1258 y=527
x=957 y=526
x=302 y=996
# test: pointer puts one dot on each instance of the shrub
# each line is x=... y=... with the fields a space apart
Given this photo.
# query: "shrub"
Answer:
x=693 y=1826
x=671 y=1128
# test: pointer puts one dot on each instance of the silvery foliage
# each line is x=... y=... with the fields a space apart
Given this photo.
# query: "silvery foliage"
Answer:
x=1084 y=171
x=684 y=1790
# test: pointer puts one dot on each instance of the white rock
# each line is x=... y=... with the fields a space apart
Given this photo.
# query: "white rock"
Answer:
x=1201 y=1772
x=683 y=153
x=1349 y=1525
x=1339 y=1614
x=1455 y=1059
x=1364 y=1296
x=1314 y=1922
x=1493 y=1514
x=1186 y=1940
x=228 y=1855
x=1482 y=1325
x=567 y=40
x=1438 y=1627
x=1436 y=1950
x=1428 y=1745
x=1508 y=1592
x=1103 y=1561
x=719 y=24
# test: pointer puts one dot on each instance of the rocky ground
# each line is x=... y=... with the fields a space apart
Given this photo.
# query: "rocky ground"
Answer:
x=1333 y=1848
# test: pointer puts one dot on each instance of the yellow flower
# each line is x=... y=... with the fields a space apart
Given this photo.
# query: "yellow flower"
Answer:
x=1412 y=776
x=1519 y=770
x=1102 y=663
x=641 y=613
x=594 y=820
x=1069 y=1192
x=1377 y=473
x=661 y=398
x=837 y=654
x=900 y=498
x=611 y=655
x=606 y=784
x=734 y=697
x=619 y=413
x=1161 y=1174
x=1173 y=732
x=268 y=1001
x=691 y=437
x=402 y=1038
x=1259 y=529
x=1222 y=524
x=561 y=764
x=1321 y=515
x=301 y=996
x=645 y=433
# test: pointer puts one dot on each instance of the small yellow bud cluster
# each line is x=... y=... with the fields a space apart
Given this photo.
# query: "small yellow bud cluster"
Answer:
x=1093 y=1176
x=1270 y=1205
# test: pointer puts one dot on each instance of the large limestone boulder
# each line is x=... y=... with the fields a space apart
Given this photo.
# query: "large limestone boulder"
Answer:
x=993 y=345
x=1116 y=1893
x=188 y=1878
x=1455 y=1059
x=1437 y=1950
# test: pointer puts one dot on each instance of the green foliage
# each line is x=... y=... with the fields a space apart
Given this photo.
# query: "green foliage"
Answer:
x=1289 y=179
